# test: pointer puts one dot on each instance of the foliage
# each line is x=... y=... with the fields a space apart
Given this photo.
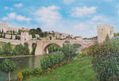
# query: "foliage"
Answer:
x=27 y=72
x=8 y=67
x=76 y=45
x=69 y=51
x=17 y=37
x=39 y=38
x=50 y=60
x=53 y=48
x=35 y=31
x=116 y=34
x=78 y=70
x=18 y=49
x=37 y=70
x=21 y=50
x=107 y=38
x=33 y=48
x=105 y=60
x=7 y=49
x=26 y=50
x=20 y=76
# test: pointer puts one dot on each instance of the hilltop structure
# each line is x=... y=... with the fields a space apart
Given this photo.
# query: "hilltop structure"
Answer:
x=5 y=27
x=104 y=31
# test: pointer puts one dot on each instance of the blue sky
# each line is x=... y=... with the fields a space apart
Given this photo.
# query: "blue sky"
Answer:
x=77 y=17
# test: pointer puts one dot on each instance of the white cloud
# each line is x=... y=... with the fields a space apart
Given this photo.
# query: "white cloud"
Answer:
x=99 y=18
x=68 y=1
x=18 y=5
x=89 y=28
x=5 y=18
x=83 y=11
x=22 y=18
x=86 y=29
x=8 y=8
x=48 y=15
x=14 y=16
x=81 y=26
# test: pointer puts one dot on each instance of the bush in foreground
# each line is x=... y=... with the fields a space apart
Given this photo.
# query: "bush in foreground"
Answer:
x=50 y=60
x=106 y=60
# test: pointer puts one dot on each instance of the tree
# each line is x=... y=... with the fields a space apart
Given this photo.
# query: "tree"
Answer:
x=26 y=49
x=4 y=35
x=8 y=67
x=69 y=51
x=53 y=48
x=7 y=49
x=107 y=38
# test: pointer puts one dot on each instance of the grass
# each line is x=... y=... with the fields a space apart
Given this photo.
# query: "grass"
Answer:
x=79 y=69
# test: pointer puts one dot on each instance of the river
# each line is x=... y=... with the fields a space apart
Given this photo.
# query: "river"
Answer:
x=22 y=63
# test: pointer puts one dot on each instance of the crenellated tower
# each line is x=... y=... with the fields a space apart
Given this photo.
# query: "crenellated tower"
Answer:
x=104 y=31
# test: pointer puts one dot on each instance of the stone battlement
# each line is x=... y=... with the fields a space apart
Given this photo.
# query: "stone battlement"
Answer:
x=104 y=31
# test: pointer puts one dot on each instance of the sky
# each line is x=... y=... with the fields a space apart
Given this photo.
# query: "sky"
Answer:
x=76 y=17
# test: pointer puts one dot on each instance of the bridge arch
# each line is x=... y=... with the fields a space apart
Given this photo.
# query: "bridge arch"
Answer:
x=46 y=48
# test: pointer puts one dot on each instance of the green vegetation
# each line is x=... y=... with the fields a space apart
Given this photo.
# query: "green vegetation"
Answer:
x=7 y=49
x=53 y=48
x=33 y=32
x=50 y=60
x=79 y=69
x=69 y=51
x=33 y=48
x=31 y=72
x=105 y=60
x=116 y=34
x=93 y=38
x=8 y=67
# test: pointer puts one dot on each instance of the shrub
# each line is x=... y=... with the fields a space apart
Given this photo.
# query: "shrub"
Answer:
x=69 y=51
x=20 y=76
x=53 y=48
x=33 y=48
x=106 y=60
x=7 y=49
x=37 y=70
x=50 y=60
x=18 y=50
x=21 y=50
x=26 y=50
x=27 y=73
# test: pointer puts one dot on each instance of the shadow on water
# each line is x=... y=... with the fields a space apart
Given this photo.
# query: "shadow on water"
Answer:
x=22 y=63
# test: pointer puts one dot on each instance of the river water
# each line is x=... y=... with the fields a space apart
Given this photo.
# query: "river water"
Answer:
x=22 y=63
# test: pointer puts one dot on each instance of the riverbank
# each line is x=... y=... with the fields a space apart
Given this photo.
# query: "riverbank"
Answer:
x=79 y=69
x=2 y=57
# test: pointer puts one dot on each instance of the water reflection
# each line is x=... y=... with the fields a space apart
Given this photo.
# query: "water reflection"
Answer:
x=22 y=63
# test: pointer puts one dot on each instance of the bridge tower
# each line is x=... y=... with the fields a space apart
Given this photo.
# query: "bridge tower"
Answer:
x=104 y=31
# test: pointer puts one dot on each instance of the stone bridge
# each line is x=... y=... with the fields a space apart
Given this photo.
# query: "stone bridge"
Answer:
x=43 y=44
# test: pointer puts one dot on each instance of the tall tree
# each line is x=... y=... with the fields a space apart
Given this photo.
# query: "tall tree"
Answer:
x=8 y=66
